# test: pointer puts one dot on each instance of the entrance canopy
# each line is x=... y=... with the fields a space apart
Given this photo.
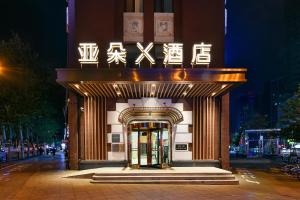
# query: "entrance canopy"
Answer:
x=147 y=82
x=151 y=113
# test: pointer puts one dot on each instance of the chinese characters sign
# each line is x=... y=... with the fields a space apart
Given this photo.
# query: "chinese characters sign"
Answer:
x=173 y=53
x=88 y=53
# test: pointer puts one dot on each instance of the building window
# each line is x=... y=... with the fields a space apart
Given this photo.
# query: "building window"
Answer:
x=225 y=17
x=134 y=5
x=164 y=6
x=67 y=17
x=115 y=138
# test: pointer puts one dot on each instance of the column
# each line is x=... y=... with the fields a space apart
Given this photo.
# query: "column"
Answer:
x=73 y=131
x=225 y=132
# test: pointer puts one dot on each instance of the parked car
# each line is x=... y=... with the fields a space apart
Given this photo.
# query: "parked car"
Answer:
x=50 y=150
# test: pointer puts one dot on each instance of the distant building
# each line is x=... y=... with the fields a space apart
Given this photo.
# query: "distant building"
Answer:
x=292 y=17
x=260 y=142
x=257 y=40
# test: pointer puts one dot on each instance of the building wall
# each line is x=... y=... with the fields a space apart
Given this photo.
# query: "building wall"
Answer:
x=102 y=22
x=200 y=129
x=183 y=132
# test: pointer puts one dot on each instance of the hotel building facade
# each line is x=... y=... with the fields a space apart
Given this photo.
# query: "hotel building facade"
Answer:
x=146 y=85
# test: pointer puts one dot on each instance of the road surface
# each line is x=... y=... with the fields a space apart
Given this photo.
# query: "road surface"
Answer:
x=45 y=178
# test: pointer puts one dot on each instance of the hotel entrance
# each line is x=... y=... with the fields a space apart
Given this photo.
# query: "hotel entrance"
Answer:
x=149 y=145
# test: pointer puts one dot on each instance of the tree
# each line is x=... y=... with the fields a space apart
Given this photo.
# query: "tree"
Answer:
x=29 y=96
x=289 y=119
x=255 y=121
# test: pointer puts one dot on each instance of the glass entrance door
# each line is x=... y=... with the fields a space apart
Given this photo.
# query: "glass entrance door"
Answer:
x=149 y=148
x=144 y=146
x=148 y=145
x=155 y=147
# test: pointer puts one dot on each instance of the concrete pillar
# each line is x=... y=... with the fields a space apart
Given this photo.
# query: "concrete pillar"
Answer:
x=73 y=131
x=225 y=132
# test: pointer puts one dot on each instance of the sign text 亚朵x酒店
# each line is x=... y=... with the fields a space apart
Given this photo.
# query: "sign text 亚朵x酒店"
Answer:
x=173 y=53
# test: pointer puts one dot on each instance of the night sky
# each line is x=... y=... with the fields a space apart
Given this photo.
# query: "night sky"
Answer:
x=41 y=23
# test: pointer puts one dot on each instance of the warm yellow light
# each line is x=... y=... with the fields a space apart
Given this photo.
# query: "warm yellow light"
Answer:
x=223 y=86
x=85 y=93
x=77 y=86
x=118 y=93
x=213 y=94
x=184 y=93
x=115 y=85
x=191 y=85
x=153 y=85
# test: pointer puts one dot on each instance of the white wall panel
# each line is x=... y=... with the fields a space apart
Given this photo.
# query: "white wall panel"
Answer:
x=116 y=128
x=121 y=106
x=116 y=156
x=187 y=117
x=185 y=155
x=112 y=117
x=183 y=138
x=182 y=128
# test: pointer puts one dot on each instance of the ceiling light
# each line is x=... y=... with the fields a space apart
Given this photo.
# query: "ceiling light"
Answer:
x=223 y=86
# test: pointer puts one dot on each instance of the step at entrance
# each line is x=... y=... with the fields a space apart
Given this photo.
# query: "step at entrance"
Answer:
x=177 y=176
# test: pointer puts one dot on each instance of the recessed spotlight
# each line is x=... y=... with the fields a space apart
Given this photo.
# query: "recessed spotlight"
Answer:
x=184 y=93
x=77 y=86
x=191 y=85
x=223 y=86
x=85 y=93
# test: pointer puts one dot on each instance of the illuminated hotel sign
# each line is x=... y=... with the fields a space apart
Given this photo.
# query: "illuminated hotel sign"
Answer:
x=144 y=54
x=173 y=53
x=89 y=53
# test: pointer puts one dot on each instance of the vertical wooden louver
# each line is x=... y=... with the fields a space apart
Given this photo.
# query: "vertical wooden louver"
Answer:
x=95 y=128
x=206 y=129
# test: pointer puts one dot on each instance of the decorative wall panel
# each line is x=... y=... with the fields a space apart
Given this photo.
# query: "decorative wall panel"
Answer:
x=206 y=128
x=163 y=27
x=95 y=147
x=133 y=27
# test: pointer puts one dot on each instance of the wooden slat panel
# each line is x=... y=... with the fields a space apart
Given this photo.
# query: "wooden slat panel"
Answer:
x=95 y=128
x=143 y=89
x=206 y=131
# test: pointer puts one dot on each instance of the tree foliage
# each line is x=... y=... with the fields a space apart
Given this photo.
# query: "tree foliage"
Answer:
x=29 y=95
x=289 y=119
x=255 y=121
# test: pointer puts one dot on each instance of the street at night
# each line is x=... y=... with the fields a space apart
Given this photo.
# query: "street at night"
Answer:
x=45 y=178
x=150 y=99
